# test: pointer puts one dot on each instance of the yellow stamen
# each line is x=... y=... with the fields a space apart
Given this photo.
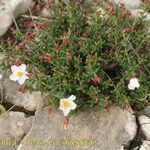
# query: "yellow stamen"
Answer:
x=66 y=104
x=19 y=74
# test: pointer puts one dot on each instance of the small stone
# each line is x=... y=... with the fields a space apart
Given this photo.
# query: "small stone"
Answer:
x=145 y=125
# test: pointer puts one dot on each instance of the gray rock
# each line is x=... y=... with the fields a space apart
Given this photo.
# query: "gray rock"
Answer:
x=92 y=129
x=5 y=17
x=145 y=145
x=28 y=101
x=145 y=125
x=135 y=4
x=13 y=127
x=10 y=9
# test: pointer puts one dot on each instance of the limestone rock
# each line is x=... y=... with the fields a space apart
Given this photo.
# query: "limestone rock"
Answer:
x=91 y=129
x=13 y=127
x=5 y=18
x=145 y=145
x=20 y=7
x=147 y=16
x=28 y=101
x=145 y=125
x=130 y=4
x=10 y=9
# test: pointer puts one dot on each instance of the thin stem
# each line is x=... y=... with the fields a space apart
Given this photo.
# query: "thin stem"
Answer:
x=32 y=18
x=16 y=25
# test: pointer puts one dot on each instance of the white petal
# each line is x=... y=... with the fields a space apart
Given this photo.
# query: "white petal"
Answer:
x=13 y=77
x=137 y=85
x=22 y=67
x=131 y=87
x=22 y=80
x=66 y=112
x=134 y=81
x=61 y=106
x=61 y=100
x=73 y=106
x=72 y=98
x=14 y=68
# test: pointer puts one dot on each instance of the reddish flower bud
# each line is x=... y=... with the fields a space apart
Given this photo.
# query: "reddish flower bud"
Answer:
x=49 y=58
x=85 y=35
x=33 y=4
x=49 y=110
x=29 y=75
x=110 y=9
x=127 y=105
x=41 y=26
x=31 y=24
x=69 y=56
x=39 y=7
x=46 y=58
x=96 y=80
x=50 y=5
x=113 y=13
x=19 y=62
x=66 y=123
x=31 y=37
x=126 y=14
x=21 y=46
x=67 y=42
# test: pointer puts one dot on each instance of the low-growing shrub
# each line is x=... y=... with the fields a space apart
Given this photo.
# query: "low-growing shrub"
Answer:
x=93 y=57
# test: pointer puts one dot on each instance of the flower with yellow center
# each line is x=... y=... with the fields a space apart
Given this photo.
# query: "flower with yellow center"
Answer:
x=67 y=104
x=19 y=73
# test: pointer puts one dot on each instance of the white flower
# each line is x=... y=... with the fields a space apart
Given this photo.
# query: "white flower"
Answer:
x=67 y=104
x=134 y=83
x=19 y=73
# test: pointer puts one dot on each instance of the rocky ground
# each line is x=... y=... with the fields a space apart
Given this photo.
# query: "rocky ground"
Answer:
x=27 y=125
x=110 y=129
